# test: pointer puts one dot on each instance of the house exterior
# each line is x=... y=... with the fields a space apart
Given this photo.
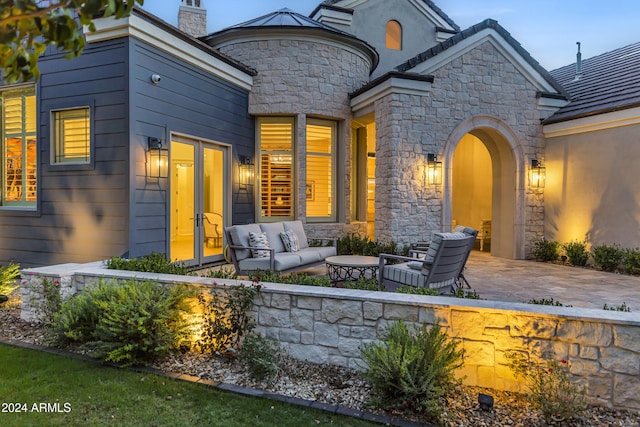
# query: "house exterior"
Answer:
x=377 y=117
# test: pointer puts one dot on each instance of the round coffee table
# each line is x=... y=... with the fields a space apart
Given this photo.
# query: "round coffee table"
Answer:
x=351 y=267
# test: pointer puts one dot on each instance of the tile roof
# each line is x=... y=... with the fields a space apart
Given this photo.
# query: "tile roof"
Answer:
x=609 y=82
x=464 y=34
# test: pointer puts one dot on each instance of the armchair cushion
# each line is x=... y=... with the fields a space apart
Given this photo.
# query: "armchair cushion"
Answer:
x=435 y=244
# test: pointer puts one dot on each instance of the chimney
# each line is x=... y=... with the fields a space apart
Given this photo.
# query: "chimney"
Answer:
x=578 y=64
x=192 y=19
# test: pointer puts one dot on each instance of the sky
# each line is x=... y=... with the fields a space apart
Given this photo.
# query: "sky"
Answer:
x=547 y=29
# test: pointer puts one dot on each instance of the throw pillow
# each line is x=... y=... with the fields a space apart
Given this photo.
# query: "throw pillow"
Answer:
x=258 y=240
x=290 y=241
x=416 y=265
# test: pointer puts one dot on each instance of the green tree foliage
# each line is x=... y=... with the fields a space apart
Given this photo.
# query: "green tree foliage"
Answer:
x=27 y=27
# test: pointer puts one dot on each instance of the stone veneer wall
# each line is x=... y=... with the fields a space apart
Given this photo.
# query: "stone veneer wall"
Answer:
x=479 y=83
x=329 y=325
x=304 y=78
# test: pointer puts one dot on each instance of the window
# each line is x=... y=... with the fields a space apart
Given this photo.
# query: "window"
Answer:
x=275 y=137
x=71 y=136
x=19 y=179
x=320 y=180
x=394 y=35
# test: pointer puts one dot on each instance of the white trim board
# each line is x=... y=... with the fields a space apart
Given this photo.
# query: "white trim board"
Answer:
x=134 y=26
x=604 y=121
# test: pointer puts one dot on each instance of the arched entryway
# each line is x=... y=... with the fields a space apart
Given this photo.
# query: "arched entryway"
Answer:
x=489 y=144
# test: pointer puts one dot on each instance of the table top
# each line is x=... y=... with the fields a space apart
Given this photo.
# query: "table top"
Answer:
x=353 y=261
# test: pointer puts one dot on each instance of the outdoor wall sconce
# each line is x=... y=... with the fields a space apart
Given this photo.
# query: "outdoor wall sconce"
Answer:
x=246 y=171
x=538 y=174
x=434 y=170
x=157 y=159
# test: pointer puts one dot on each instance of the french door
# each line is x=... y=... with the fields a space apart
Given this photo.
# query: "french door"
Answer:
x=199 y=177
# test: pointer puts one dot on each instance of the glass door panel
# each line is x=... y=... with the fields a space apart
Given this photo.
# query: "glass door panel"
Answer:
x=213 y=203
x=198 y=200
x=182 y=222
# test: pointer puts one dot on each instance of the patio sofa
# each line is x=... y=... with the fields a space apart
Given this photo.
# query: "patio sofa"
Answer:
x=276 y=246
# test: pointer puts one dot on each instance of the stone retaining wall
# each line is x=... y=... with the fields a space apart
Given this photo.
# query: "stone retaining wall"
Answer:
x=329 y=325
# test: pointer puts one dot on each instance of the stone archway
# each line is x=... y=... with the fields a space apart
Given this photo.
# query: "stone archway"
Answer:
x=508 y=228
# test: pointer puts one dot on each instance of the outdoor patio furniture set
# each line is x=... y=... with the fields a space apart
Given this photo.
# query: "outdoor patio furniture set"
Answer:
x=284 y=247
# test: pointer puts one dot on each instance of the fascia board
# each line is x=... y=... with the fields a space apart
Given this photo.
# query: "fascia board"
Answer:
x=133 y=26
x=364 y=102
x=614 y=119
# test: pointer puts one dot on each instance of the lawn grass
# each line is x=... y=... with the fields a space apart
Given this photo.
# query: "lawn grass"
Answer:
x=98 y=395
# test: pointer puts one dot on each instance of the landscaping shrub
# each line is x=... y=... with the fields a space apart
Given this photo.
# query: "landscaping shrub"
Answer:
x=128 y=323
x=546 y=301
x=576 y=253
x=226 y=317
x=631 y=261
x=354 y=244
x=550 y=387
x=296 y=278
x=154 y=263
x=607 y=257
x=363 y=283
x=8 y=276
x=622 y=307
x=463 y=293
x=221 y=273
x=546 y=250
x=261 y=356
x=418 y=291
x=412 y=368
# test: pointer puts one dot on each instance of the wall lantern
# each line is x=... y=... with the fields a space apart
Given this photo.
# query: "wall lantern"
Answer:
x=157 y=159
x=434 y=170
x=246 y=171
x=538 y=174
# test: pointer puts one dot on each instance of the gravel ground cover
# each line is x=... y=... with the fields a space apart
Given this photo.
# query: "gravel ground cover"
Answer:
x=340 y=386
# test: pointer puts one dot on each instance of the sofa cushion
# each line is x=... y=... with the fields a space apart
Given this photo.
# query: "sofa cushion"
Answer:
x=273 y=230
x=297 y=227
x=315 y=254
x=240 y=237
x=259 y=240
x=290 y=241
x=283 y=261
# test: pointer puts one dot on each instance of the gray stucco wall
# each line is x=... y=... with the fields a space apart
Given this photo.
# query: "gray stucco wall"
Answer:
x=370 y=21
x=592 y=187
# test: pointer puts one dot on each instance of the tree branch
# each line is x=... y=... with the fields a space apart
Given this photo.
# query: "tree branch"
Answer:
x=31 y=15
